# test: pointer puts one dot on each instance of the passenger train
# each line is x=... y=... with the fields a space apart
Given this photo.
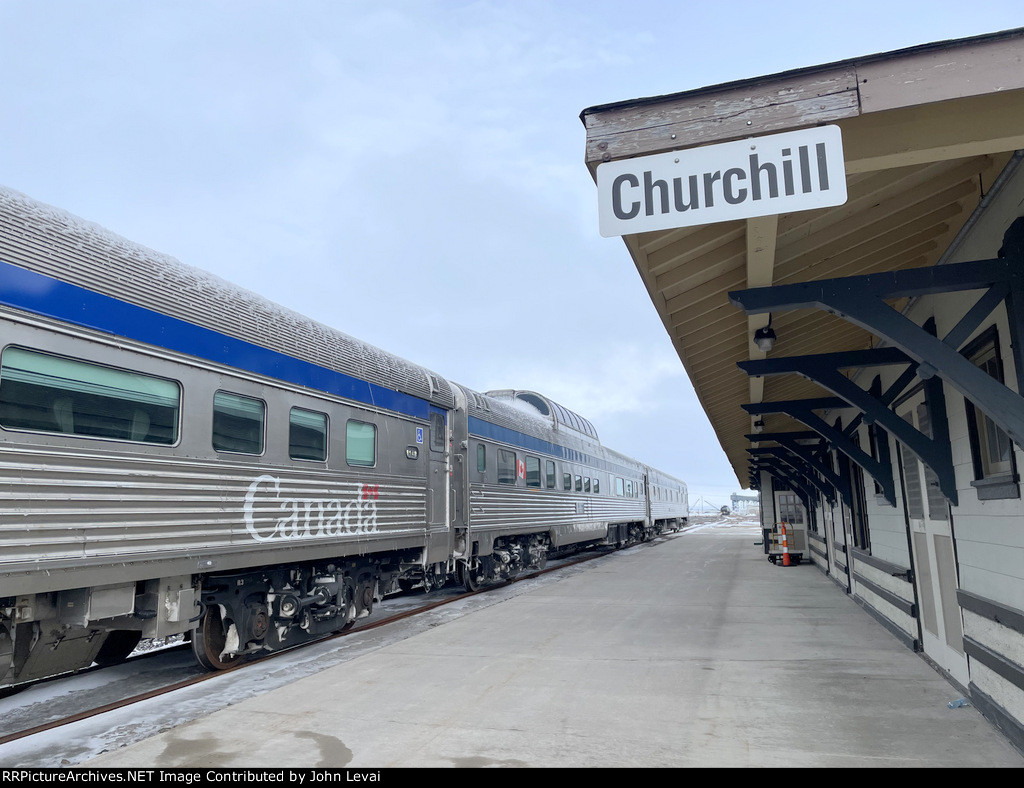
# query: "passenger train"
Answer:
x=181 y=456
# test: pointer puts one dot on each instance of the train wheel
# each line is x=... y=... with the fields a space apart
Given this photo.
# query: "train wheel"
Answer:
x=471 y=576
x=209 y=639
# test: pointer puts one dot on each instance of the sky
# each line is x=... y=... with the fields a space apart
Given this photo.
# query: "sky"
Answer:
x=411 y=172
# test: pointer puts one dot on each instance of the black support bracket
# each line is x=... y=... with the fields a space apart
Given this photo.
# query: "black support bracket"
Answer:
x=811 y=455
x=794 y=480
x=803 y=411
x=934 y=451
x=861 y=300
x=799 y=466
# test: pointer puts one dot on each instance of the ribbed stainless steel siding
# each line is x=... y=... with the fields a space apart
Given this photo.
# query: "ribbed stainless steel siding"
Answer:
x=511 y=509
x=504 y=414
x=59 y=508
x=666 y=510
x=52 y=242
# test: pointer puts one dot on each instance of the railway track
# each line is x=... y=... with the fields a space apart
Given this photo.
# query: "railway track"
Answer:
x=448 y=598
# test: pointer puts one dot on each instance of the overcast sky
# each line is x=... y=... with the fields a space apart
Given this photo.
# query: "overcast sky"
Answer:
x=411 y=173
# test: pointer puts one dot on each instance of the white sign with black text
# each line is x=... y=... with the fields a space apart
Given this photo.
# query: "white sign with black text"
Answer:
x=759 y=176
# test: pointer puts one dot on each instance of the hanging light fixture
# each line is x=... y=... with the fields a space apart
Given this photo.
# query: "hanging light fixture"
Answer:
x=764 y=337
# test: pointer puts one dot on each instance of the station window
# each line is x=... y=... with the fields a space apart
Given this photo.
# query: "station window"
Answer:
x=307 y=435
x=549 y=468
x=995 y=473
x=506 y=467
x=481 y=457
x=790 y=509
x=579 y=484
x=238 y=423
x=873 y=445
x=532 y=471
x=50 y=394
x=618 y=487
x=361 y=444
x=566 y=481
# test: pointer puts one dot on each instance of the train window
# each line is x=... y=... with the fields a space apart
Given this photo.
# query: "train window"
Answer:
x=51 y=394
x=481 y=457
x=361 y=444
x=307 y=435
x=579 y=484
x=549 y=467
x=532 y=471
x=597 y=485
x=618 y=486
x=436 y=432
x=566 y=481
x=238 y=423
x=629 y=489
x=506 y=467
x=586 y=484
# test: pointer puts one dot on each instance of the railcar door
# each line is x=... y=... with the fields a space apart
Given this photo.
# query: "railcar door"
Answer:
x=438 y=485
x=648 y=515
x=459 y=428
x=931 y=538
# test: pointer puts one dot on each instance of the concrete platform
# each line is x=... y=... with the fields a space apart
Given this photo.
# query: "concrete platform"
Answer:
x=695 y=651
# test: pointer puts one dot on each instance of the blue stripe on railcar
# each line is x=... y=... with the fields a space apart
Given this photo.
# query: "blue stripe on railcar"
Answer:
x=484 y=429
x=49 y=297
x=479 y=428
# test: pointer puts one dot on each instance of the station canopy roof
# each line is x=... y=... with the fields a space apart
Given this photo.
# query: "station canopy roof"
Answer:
x=926 y=131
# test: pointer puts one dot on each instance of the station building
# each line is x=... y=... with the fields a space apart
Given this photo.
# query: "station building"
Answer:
x=837 y=253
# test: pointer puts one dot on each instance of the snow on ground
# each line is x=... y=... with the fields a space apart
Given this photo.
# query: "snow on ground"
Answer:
x=738 y=522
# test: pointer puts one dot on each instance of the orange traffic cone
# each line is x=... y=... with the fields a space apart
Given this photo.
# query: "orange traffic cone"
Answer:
x=785 y=547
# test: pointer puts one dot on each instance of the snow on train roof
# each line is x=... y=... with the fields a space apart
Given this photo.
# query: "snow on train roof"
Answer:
x=547 y=407
x=53 y=242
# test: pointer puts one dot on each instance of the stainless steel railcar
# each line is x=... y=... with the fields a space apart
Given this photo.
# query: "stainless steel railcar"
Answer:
x=178 y=455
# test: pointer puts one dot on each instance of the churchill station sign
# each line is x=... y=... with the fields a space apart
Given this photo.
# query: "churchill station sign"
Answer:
x=759 y=176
